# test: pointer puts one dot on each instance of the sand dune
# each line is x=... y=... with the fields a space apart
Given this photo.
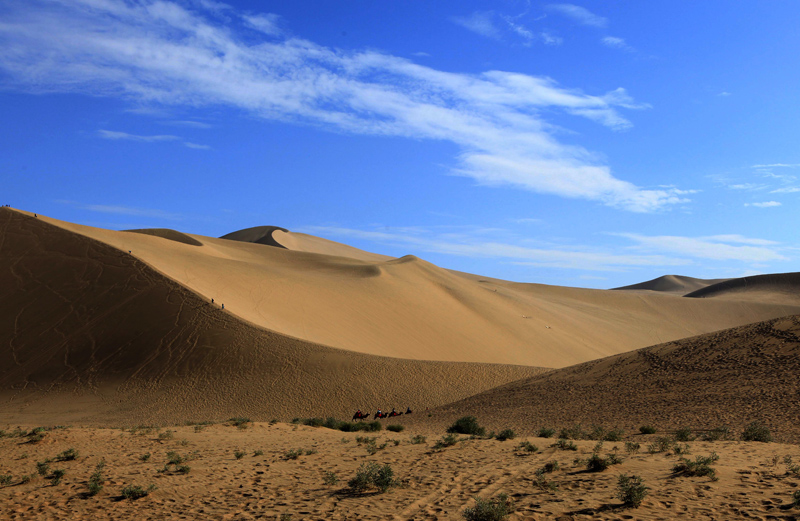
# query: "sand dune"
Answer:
x=92 y=335
x=166 y=233
x=409 y=308
x=777 y=287
x=731 y=377
x=674 y=284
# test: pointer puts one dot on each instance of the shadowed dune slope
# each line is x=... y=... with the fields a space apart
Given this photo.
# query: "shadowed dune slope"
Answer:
x=674 y=284
x=731 y=377
x=410 y=308
x=777 y=287
x=171 y=235
x=91 y=334
x=257 y=235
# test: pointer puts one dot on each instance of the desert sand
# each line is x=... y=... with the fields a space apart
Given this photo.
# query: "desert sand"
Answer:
x=102 y=331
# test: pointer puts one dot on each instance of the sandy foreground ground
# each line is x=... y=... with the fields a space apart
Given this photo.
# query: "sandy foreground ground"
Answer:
x=753 y=480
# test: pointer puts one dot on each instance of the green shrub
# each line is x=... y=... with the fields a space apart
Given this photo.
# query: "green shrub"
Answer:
x=575 y=432
x=701 y=466
x=662 y=444
x=292 y=454
x=145 y=457
x=5 y=479
x=632 y=447
x=796 y=498
x=330 y=478
x=541 y=481
x=315 y=422
x=43 y=467
x=418 y=439
x=238 y=454
x=614 y=435
x=564 y=444
x=550 y=466
x=647 y=429
x=631 y=490
x=239 y=421
x=447 y=440
x=467 y=425
x=496 y=509
x=681 y=450
x=596 y=463
x=527 y=446
x=756 y=432
x=68 y=455
x=545 y=432
x=136 y=492
x=166 y=435
x=258 y=453
x=505 y=434
x=371 y=474
x=57 y=475
x=395 y=428
x=96 y=479
x=684 y=435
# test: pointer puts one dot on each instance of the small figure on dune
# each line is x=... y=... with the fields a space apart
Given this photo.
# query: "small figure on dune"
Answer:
x=223 y=306
x=212 y=300
x=408 y=410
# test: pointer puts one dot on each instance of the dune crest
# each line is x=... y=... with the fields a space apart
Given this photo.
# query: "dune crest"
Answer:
x=166 y=233
x=674 y=284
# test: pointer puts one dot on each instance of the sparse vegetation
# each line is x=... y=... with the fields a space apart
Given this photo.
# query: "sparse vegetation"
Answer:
x=96 y=479
x=145 y=457
x=546 y=432
x=467 y=425
x=330 y=478
x=418 y=439
x=258 y=453
x=647 y=429
x=446 y=441
x=632 y=447
x=5 y=479
x=333 y=423
x=719 y=433
x=371 y=474
x=701 y=466
x=136 y=492
x=495 y=509
x=43 y=467
x=505 y=434
x=796 y=498
x=681 y=450
x=791 y=466
x=166 y=435
x=56 y=476
x=564 y=444
x=684 y=435
x=239 y=422
x=238 y=454
x=575 y=432
x=596 y=463
x=541 y=481
x=550 y=466
x=631 y=490
x=527 y=446
x=757 y=432
x=292 y=454
x=395 y=428
x=68 y=455
x=661 y=444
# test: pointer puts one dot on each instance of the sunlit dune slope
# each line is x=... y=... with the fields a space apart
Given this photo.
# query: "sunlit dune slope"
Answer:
x=409 y=308
x=777 y=287
x=91 y=334
x=728 y=378
x=674 y=284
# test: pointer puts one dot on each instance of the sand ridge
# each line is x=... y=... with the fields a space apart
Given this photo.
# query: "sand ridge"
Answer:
x=674 y=284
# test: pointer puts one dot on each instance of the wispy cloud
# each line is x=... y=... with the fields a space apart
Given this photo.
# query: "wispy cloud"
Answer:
x=189 y=124
x=166 y=53
x=765 y=204
x=196 y=146
x=112 y=134
x=480 y=22
x=616 y=43
x=265 y=23
x=579 y=14
x=717 y=247
x=127 y=210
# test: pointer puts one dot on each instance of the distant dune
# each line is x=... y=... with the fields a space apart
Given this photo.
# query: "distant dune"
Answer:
x=728 y=378
x=257 y=235
x=778 y=287
x=674 y=284
x=171 y=235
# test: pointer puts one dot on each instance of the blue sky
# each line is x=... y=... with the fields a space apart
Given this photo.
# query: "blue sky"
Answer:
x=591 y=144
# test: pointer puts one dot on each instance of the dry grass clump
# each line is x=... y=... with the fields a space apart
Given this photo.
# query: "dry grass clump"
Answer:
x=631 y=490
x=495 y=509
x=371 y=475
x=701 y=466
x=756 y=432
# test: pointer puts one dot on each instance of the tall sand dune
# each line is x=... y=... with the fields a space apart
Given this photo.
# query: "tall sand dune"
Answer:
x=776 y=287
x=91 y=334
x=674 y=284
x=728 y=378
x=409 y=308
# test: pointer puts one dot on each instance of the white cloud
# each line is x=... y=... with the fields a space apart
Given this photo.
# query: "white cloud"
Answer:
x=111 y=134
x=778 y=165
x=786 y=190
x=717 y=247
x=196 y=146
x=616 y=43
x=479 y=22
x=161 y=53
x=127 y=210
x=551 y=39
x=189 y=124
x=579 y=14
x=266 y=23
x=724 y=94
x=765 y=204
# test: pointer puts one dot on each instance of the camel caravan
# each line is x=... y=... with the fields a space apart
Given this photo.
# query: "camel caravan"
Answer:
x=379 y=415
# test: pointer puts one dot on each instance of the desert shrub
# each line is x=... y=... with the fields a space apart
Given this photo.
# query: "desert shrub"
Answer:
x=546 y=432
x=597 y=433
x=564 y=444
x=292 y=454
x=43 y=467
x=662 y=444
x=614 y=435
x=366 y=439
x=418 y=439
x=258 y=453
x=145 y=457
x=681 y=450
x=446 y=441
x=716 y=434
x=541 y=481
x=573 y=433
x=495 y=509
x=596 y=463
x=238 y=454
x=166 y=435
x=395 y=428
x=647 y=429
x=796 y=498
x=631 y=490
x=182 y=469
x=173 y=458
x=505 y=434
x=57 y=475
x=5 y=479
x=684 y=435
x=701 y=466
x=314 y=422
x=96 y=479
x=309 y=452
x=467 y=425
x=330 y=478
x=756 y=432
x=791 y=466
x=136 y=492
x=36 y=435
x=527 y=446
x=371 y=474
x=68 y=455
x=239 y=421
x=632 y=447
x=550 y=466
